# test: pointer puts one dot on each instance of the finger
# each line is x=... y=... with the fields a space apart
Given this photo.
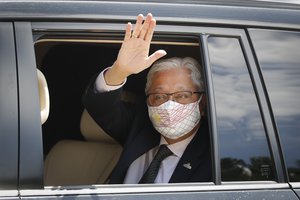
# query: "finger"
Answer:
x=155 y=56
x=150 y=31
x=138 y=25
x=128 y=31
x=146 y=26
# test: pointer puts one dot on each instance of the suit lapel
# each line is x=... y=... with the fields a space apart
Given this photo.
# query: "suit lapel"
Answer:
x=142 y=136
x=143 y=142
x=192 y=157
x=140 y=144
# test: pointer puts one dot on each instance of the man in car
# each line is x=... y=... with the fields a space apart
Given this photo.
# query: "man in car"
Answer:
x=165 y=139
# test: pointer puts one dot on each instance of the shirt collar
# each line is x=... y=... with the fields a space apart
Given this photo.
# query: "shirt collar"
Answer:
x=179 y=147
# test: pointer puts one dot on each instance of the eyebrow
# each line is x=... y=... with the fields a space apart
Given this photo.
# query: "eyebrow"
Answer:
x=180 y=88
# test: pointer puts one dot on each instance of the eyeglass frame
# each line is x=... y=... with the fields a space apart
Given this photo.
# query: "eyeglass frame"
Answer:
x=171 y=95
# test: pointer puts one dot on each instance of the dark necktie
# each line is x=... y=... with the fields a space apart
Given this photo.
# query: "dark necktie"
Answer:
x=153 y=168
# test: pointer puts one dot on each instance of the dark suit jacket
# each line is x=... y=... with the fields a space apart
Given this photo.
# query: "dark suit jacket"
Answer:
x=130 y=125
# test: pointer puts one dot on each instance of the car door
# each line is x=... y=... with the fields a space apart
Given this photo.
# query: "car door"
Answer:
x=278 y=55
x=8 y=114
x=246 y=154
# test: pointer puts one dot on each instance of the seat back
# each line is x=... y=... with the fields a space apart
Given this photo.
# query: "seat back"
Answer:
x=72 y=162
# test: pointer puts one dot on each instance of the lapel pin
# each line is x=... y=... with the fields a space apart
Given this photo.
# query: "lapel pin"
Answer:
x=187 y=165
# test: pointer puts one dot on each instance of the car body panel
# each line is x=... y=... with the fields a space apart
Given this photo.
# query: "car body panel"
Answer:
x=8 y=109
x=237 y=14
x=31 y=162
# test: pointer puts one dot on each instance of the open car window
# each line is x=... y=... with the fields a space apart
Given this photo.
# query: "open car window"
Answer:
x=68 y=64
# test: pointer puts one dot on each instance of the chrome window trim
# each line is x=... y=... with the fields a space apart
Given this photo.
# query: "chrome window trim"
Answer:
x=9 y=193
x=157 y=188
x=295 y=184
x=104 y=27
x=101 y=41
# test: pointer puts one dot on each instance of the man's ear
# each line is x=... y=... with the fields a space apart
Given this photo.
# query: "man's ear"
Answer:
x=202 y=105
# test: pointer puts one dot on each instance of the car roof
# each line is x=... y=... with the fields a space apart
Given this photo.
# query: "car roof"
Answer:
x=250 y=13
x=293 y=4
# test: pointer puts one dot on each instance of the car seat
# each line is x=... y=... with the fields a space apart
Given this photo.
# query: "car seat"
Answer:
x=72 y=162
x=44 y=96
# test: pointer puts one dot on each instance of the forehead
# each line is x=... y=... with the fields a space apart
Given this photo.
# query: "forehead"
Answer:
x=172 y=80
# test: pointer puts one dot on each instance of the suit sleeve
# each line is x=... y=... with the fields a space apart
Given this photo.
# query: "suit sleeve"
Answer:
x=111 y=114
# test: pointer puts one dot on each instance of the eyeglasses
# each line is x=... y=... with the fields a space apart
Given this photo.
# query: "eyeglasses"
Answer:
x=183 y=97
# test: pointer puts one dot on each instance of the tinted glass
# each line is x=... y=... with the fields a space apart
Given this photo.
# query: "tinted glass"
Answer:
x=278 y=53
x=243 y=145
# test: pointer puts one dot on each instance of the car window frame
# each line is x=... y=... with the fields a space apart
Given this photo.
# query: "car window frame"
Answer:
x=239 y=55
x=9 y=149
x=203 y=33
x=30 y=147
x=275 y=151
x=294 y=185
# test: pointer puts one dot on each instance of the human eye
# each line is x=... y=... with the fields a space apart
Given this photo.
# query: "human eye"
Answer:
x=158 y=97
x=182 y=95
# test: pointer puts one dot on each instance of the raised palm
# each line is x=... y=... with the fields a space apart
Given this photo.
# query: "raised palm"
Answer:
x=134 y=56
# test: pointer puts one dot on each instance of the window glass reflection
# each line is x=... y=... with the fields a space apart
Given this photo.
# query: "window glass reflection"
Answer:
x=278 y=54
x=243 y=145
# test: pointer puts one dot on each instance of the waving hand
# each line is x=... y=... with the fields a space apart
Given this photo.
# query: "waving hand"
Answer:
x=134 y=56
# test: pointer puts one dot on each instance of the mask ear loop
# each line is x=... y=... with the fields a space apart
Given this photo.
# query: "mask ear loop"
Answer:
x=201 y=109
x=200 y=98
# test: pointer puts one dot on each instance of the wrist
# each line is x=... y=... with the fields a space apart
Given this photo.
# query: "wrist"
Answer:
x=113 y=76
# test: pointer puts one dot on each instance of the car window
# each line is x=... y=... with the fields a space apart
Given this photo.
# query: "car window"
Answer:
x=279 y=58
x=74 y=63
x=243 y=146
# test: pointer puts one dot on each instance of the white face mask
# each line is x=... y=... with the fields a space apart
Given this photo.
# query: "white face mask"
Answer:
x=174 y=120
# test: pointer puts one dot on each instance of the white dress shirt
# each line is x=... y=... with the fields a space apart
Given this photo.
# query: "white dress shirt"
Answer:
x=101 y=86
x=139 y=166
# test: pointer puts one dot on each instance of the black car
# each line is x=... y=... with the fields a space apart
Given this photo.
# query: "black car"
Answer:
x=50 y=148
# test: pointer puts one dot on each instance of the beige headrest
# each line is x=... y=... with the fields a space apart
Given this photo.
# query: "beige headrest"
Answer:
x=44 y=96
x=92 y=131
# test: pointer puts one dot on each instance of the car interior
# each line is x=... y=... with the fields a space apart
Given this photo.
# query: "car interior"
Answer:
x=76 y=150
